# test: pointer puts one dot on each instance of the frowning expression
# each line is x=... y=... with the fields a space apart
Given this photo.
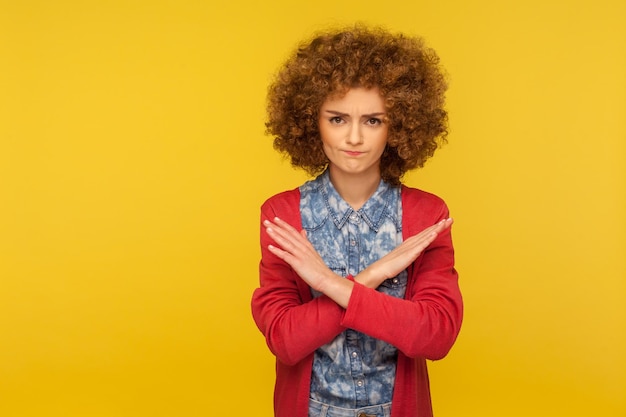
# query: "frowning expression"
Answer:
x=353 y=130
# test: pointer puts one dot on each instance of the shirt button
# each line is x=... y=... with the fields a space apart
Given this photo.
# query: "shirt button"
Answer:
x=396 y=280
x=354 y=354
x=353 y=242
x=359 y=383
x=354 y=217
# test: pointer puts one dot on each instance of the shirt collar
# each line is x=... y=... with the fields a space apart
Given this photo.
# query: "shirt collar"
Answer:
x=373 y=212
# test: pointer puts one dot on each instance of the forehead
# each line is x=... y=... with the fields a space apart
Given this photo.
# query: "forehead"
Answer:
x=356 y=96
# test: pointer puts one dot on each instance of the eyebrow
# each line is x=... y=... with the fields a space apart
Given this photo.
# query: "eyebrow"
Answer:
x=338 y=113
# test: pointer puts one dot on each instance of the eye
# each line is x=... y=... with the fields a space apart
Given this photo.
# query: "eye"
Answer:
x=373 y=121
x=335 y=120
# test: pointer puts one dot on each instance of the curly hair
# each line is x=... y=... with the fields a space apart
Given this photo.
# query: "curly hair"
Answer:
x=406 y=72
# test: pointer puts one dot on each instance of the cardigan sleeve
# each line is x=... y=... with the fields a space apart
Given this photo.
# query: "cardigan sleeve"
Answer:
x=293 y=323
x=427 y=322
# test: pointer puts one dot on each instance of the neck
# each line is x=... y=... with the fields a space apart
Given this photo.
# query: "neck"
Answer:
x=355 y=189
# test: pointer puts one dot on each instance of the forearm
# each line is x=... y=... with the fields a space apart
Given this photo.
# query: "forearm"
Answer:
x=370 y=277
x=293 y=329
x=338 y=289
x=426 y=325
x=293 y=323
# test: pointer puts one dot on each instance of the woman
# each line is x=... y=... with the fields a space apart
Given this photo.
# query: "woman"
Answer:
x=357 y=279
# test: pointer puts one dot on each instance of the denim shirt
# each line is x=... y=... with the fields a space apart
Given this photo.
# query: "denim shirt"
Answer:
x=354 y=370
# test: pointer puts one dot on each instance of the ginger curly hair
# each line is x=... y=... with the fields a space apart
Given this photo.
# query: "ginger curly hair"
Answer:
x=406 y=72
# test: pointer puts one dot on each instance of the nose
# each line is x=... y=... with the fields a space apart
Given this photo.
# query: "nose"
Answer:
x=355 y=135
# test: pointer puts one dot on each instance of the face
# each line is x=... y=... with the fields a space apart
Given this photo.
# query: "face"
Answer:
x=353 y=129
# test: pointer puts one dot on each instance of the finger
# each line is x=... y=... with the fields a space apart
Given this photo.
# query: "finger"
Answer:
x=435 y=228
x=417 y=243
x=286 y=256
x=284 y=230
x=282 y=239
x=445 y=223
x=442 y=224
x=289 y=232
x=277 y=251
x=439 y=227
x=279 y=230
x=292 y=242
x=414 y=248
x=284 y=225
x=428 y=235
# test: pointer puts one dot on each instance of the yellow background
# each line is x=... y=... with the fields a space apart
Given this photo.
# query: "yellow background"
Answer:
x=133 y=162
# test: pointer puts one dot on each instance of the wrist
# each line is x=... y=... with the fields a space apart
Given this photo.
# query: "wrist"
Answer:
x=367 y=278
x=337 y=288
x=326 y=282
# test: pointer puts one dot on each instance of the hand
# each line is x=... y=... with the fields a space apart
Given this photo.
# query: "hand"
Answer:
x=298 y=252
x=401 y=257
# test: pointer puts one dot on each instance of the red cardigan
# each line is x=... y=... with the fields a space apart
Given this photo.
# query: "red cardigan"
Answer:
x=422 y=326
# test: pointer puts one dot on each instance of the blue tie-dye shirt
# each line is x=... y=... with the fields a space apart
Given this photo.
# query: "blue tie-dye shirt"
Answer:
x=354 y=370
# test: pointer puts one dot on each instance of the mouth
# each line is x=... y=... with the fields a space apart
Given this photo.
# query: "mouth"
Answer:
x=353 y=153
